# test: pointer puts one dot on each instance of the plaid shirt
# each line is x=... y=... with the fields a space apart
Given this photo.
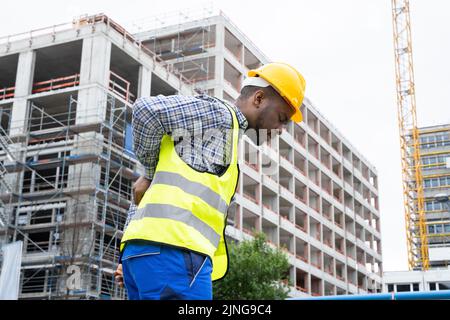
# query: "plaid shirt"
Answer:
x=178 y=116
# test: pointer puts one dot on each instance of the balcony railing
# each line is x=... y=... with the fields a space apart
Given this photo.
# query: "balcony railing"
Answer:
x=117 y=84
x=317 y=265
x=252 y=165
x=329 y=271
x=269 y=208
x=300 y=227
x=57 y=83
x=340 y=277
x=285 y=218
x=300 y=198
x=251 y=198
x=301 y=289
x=121 y=87
x=247 y=231
x=328 y=243
x=7 y=93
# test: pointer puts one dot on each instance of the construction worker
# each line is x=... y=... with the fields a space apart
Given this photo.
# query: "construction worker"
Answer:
x=173 y=245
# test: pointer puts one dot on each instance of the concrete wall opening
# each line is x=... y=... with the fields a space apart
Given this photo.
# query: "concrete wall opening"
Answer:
x=57 y=67
x=8 y=75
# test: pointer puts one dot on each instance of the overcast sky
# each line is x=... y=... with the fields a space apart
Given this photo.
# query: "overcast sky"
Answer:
x=343 y=48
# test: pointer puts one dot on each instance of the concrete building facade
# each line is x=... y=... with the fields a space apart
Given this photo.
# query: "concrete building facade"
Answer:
x=66 y=95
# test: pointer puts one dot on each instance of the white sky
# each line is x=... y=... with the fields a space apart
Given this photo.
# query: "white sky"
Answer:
x=343 y=48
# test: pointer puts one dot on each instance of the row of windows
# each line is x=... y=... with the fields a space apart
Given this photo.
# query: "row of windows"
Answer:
x=429 y=160
x=434 y=206
x=408 y=287
x=439 y=228
x=433 y=141
x=439 y=286
x=436 y=182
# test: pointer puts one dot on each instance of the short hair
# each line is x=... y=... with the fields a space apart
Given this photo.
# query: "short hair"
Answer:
x=247 y=91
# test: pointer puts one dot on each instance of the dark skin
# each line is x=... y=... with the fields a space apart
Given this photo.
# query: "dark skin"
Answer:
x=263 y=109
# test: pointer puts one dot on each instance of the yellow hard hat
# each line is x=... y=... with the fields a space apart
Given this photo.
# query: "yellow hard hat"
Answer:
x=287 y=81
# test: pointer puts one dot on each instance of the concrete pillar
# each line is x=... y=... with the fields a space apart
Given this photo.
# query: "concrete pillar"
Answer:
x=91 y=108
x=19 y=112
x=145 y=82
x=24 y=86
x=95 y=68
x=219 y=62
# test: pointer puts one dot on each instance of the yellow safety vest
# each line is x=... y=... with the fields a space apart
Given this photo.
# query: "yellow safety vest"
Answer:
x=186 y=208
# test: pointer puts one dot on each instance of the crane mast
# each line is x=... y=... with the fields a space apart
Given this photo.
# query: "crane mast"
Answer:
x=413 y=195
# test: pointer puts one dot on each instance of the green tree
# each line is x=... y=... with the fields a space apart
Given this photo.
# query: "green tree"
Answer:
x=255 y=271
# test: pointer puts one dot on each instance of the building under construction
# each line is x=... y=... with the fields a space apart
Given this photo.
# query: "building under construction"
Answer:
x=66 y=95
x=66 y=161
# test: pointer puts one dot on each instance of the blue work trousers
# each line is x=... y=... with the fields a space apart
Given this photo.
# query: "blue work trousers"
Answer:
x=160 y=272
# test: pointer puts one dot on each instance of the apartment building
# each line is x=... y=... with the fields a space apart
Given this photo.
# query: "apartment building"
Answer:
x=309 y=190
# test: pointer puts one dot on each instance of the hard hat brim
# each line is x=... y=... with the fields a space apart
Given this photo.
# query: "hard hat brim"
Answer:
x=297 y=117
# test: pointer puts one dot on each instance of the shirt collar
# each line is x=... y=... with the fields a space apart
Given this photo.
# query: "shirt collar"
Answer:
x=243 y=123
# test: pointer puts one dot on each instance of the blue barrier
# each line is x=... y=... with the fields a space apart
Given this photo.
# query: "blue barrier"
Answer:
x=416 y=295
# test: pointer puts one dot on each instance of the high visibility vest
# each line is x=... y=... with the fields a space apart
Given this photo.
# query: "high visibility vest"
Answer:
x=187 y=208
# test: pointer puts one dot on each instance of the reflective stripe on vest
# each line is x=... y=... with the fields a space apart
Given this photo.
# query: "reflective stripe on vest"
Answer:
x=171 y=212
x=194 y=188
x=186 y=208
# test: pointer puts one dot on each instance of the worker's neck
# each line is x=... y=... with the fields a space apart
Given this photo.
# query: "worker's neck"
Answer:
x=245 y=110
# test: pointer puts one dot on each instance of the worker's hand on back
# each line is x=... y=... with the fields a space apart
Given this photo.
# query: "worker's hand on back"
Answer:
x=139 y=188
x=118 y=275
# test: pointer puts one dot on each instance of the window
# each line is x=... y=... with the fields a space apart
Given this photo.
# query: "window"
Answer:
x=447 y=228
x=434 y=206
x=437 y=182
x=390 y=288
x=439 y=228
x=432 y=286
x=415 y=287
x=433 y=141
x=403 y=288
x=444 y=285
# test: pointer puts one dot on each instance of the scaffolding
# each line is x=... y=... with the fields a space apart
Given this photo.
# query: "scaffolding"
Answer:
x=180 y=49
x=65 y=191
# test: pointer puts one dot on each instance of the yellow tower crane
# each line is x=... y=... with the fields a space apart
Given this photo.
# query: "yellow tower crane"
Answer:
x=413 y=196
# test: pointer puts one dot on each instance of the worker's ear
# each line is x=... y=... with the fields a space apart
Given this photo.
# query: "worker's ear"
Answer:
x=258 y=97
